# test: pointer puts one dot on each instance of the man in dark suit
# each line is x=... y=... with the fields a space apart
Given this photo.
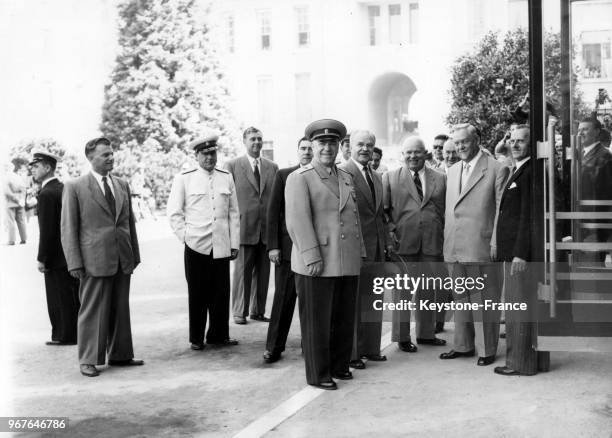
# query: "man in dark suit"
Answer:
x=368 y=191
x=253 y=176
x=414 y=197
x=101 y=248
x=323 y=222
x=514 y=249
x=279 y=251
x=62 y=289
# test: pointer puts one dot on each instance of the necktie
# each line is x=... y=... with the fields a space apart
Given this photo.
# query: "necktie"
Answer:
x=370 y=183
x=464 y=176
x=257 y=176
x=109 y=197
x=419 y=186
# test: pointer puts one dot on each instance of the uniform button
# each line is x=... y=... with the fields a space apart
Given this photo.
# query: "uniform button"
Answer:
x=356 y=223
x=341 y=224
x=357 y=236
x=342 y=236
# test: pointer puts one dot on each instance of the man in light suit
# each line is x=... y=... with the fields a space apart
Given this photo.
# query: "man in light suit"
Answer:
x=514 y=250
x=368 y=190
x=279 y=246
x=253 y=175
x=101 y=248
x=323 y=222
x=414 y=197
x=473 y=195
x=203 y=213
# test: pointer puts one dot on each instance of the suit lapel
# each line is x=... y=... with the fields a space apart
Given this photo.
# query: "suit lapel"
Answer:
x=378 y=189
x=266 y=170
x=430 y=185
x=248 y=171
x=119 y=197
x=330 y=183
x=360 y=182
x=592 y=153
x=406 y=181
x=480 y=168
x=97 y=195
x=516 y=175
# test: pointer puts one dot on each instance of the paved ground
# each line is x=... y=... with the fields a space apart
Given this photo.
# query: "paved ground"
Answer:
x=220 y=391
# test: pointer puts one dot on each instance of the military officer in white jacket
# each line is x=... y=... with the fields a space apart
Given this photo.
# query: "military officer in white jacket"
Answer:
x=203 y=213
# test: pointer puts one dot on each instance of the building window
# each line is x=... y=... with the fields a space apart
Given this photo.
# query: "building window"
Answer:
x=594 y=59
x=374 y=24
x=264 y=100
x=395 y=24
x=303 y=109
x=229 y=33
x=413 y=17
x=263 y=18
x=303 y=26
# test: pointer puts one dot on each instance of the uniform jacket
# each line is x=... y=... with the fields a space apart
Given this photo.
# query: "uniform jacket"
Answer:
x=371 y=216
x=277 y=234
x=50 y=251
x=252 y=200
x=91 y=237
x=323 y=221
x=195 y=208
x=471 y=216
x=418 y=225
x=514 y=217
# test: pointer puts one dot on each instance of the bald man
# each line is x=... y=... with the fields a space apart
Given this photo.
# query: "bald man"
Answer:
x=414 y=199
x=449 y=154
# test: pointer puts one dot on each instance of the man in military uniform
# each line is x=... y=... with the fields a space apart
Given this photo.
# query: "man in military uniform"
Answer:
x=323 y=223
x=203 y=213
x=61 y=288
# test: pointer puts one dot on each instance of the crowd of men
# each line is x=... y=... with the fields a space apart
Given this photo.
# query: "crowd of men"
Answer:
x=326 y=224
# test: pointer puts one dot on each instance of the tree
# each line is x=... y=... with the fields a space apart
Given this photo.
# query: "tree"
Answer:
x=488 y=84
x=167 y=87
x=70 y=165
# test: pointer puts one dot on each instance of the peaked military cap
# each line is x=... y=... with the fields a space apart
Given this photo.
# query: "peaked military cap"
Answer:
x=39 y=156
x=325 y=128
x=205 y=144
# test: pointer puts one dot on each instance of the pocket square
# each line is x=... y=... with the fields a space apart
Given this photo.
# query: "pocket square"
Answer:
x=512 y=186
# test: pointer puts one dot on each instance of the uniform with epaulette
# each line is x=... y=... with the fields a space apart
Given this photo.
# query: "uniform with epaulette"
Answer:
x=203 y=213
x=323 y=222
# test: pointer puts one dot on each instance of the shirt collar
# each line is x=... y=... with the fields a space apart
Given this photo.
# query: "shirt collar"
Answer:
x=358 y=164
x=589 y=148
x=45 y=182
x=420 y=172
x=99 y=177
x=474 y=160
x=518 y=164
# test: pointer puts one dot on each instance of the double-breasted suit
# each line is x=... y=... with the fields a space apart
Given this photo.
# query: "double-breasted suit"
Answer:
x=418 y=226
x=368 y=323
x=106 y=247
x=61 y=288
x=469 y=235
x=252 y=267
x=323 y=222
x=284 y=285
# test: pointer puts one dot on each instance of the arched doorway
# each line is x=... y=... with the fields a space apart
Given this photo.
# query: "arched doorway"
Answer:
x=389 y=103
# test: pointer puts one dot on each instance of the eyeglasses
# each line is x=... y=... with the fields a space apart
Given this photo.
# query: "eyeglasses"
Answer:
x=436 y=147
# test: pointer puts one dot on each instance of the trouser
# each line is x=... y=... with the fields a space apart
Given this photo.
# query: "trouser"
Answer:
x=208 y=290
x=327 y=312
x=15 y=218
x=62 y=292
x=425 y=319
x=477 y=328
x=368 y=324
x=282 y=308
x=250 y=282
x=104 y=319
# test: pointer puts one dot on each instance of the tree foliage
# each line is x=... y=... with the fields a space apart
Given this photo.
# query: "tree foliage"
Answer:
x=167 y=87
x=488 y=83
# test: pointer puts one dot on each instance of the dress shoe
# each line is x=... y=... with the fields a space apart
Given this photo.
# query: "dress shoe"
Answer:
x=60 y=343
x=486 y=360
x=197 y=346
x=455 y=354
x=357 y=364
x=502 y=335
x=126 y=363
x=326 y=385
x=435 y=341
x=224 y=343
x=343 y=375
x=507 y=371
x=407 y=346
x=260 y=318
x=374 y=357
x=439 y=327
x=89 y=370
x=270 y=357
x=240 y=320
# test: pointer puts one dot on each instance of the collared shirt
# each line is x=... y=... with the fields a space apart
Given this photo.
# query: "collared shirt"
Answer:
x=360 y=167
x=589 y=148
x=465 y=175
x=518 y=164
x=44 y=183
x=253 y=161
x=109 y=181
x=421 y=177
